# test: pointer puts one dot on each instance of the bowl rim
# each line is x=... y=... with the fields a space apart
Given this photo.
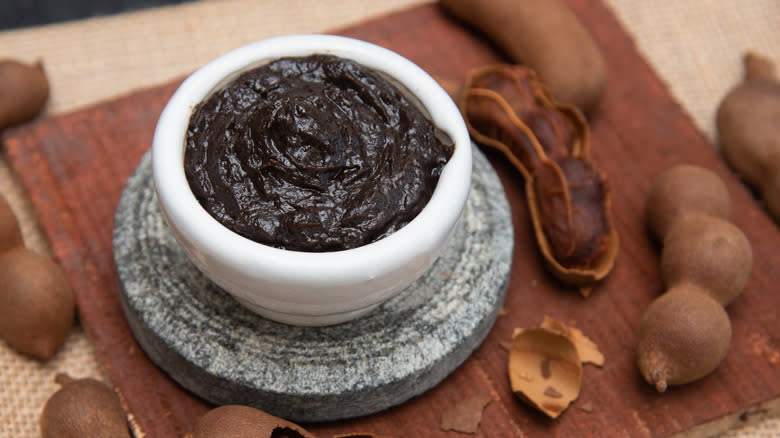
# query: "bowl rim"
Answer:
x=427 y=229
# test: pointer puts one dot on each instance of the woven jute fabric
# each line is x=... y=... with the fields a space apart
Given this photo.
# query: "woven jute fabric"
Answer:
x=695 y=46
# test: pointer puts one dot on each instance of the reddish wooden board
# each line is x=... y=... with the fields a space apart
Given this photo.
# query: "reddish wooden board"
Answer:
x=74 y=167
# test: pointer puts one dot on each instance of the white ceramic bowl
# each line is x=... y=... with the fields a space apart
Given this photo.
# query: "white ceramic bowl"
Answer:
x=307 y=288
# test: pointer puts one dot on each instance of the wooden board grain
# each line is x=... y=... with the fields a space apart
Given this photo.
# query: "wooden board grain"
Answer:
x=74 y=167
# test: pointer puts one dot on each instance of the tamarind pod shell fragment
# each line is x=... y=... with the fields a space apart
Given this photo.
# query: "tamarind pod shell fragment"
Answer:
x=546 y=36
x=493 y=121
x=544 y=369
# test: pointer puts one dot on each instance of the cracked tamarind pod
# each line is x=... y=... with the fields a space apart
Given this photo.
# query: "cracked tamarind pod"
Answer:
x=508 y=109
x=705 y=264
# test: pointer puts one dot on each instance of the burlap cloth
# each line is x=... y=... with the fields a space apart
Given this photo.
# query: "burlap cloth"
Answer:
x=695 y=46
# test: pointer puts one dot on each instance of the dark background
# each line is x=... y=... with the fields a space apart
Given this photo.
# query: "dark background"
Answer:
x=25 y=13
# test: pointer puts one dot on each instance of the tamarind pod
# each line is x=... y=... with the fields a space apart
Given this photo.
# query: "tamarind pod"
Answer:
x=508 y=109
x=747 y=123
x=546 y=36
x=571 y=213
x=706 y=262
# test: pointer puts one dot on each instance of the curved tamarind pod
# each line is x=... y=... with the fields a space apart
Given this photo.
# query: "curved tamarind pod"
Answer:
x=705 y=264
x=508 y=109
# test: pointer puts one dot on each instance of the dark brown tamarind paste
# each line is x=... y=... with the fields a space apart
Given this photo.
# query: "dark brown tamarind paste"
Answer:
x=314 y=153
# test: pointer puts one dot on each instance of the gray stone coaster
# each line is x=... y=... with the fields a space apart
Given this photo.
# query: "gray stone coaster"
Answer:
x=224 y=353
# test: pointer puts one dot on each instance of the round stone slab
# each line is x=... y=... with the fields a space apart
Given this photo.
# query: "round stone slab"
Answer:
x=226 y=354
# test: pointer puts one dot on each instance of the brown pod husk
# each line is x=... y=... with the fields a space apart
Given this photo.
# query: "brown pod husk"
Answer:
x=544 y=369
x=506 y=108
x=24 y=90
x=238 y=421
